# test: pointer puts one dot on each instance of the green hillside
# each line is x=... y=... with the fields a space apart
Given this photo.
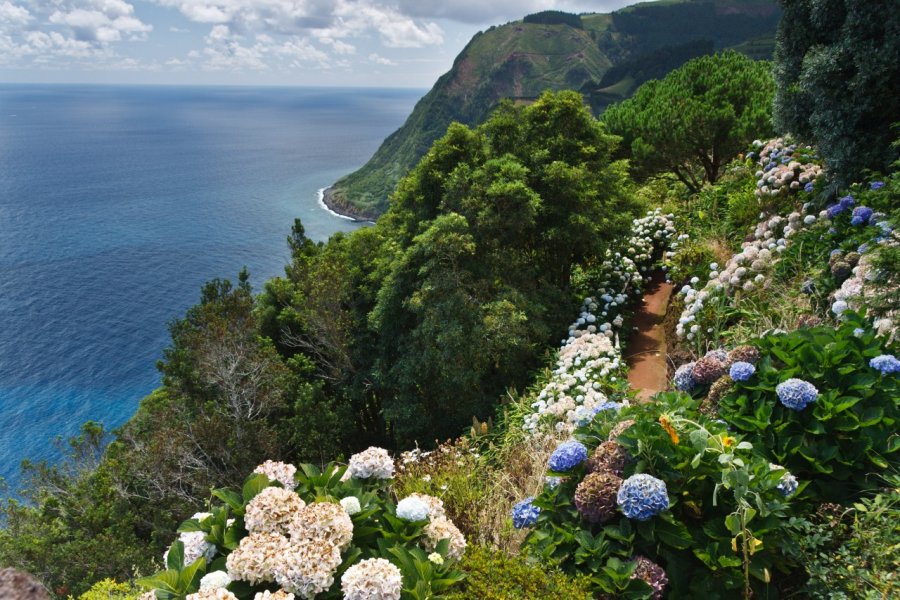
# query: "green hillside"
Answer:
x=604 y=56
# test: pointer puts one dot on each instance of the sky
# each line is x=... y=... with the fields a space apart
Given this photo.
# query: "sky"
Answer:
x=355 y=43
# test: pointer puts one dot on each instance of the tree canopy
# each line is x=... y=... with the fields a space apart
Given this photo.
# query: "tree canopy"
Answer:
x=837 y=70
x=697 y=118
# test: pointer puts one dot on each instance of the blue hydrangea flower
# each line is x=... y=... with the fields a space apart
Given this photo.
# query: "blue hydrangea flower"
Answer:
x=788 y=485
x=876 y=185
x=796 y=393
x=808 y=187
x=886 y=363
x=524 y=513
x=642 y=496
x=552 y=481
x=683 y=379
x=834 y=210
x=858 y=332
x=846 y=202
x=567 y=456
x=741 y=371
x=614 y=406
x=863 y=248
x=861 y=215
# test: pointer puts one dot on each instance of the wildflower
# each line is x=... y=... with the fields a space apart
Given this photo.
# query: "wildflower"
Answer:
x=886 y=363
x=524 y=513
x=372 y=579
x=796 y=394
x=741 y=371
x=412 y=509
x=567 y=456
x=667 y=425
x=642 y=496
x=728 y=441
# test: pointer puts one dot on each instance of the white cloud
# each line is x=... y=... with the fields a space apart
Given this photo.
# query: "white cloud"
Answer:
x=499 y=11
x=14 y=15
x=380 y=60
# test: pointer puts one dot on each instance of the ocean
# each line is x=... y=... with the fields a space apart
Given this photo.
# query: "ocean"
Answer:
x=118 y=202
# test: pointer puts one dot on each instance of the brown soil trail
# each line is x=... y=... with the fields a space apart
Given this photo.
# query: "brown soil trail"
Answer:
x=646 y=350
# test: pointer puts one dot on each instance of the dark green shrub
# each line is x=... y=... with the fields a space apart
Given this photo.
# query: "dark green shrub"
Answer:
x=492 y=575
x=848 y=432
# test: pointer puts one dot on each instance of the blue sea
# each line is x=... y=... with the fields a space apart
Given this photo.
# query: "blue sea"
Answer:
x=118 y=202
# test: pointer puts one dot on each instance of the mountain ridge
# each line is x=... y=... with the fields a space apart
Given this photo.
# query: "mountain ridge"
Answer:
x=554 y=51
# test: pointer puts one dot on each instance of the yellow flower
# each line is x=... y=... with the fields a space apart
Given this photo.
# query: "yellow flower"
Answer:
x=667 y=425
x=728 y=441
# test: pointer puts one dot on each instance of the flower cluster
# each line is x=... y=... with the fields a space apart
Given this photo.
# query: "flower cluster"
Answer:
x=195 y=544
x=372 y=463
x=595 y=496
x=741 y=371
x=653 y=575
x=442 y=528
x=273 y=510
x=281 y=472
x=372 y=579
x=796 y=394
x=212 y=594
x=567 y=456
x=412 y=509
x=746 y=271
x=642 y=497
x=524 y=513
x=785 y=168
x=886 y=364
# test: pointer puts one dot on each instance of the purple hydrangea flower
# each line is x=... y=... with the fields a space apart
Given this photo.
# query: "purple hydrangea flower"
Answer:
x=524 y=513
x=863 y=248
x=886 y=363
x=834 y=210
x=796 y=394
x=876 y=185
x=567 y=456
x=642 y=496
x=846 y=202
x=741 y=371
x=683 y=377
x=808 y=187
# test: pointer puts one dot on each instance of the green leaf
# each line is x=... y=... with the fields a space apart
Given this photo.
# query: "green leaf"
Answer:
x=189 y=579
x=254 y=485
x=175 y=558
x=230 y=498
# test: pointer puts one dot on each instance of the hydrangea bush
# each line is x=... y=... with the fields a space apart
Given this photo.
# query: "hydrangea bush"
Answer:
x=668 y=501
x=335 y=533
x=819 y=405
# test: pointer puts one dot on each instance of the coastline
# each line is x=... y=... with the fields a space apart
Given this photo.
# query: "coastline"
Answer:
x=326 y=201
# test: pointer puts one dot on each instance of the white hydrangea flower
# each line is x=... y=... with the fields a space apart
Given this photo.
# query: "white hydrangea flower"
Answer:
x=372 y=579
x=372 y=463
x=306 y=567
x=412 y=509
x=351 y=505
x=281 y=472
x=212 y=594
x=214 y=580
x=443 y=529
x=273 y=510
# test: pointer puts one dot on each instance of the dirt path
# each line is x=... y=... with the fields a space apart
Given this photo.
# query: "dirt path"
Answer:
x=647 y=347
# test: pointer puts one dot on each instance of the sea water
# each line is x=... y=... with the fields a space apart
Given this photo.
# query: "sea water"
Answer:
x=118 y=202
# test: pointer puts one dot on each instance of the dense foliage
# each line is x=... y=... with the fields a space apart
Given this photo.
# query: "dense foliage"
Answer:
x=455 y=291
x=836 y=68
x=696 y=119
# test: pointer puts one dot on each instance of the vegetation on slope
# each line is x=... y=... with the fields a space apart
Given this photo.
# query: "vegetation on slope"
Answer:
x=520 y=60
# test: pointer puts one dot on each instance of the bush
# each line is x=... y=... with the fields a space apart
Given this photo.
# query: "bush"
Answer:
x=314 y=533
x=722 y=532
x=108 y=589
x=847 y=432
x=852 y=552
x=491 y=575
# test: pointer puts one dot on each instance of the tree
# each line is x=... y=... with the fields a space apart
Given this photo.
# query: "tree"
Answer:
x=696 y=119
x=837 y=68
